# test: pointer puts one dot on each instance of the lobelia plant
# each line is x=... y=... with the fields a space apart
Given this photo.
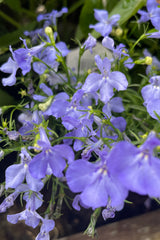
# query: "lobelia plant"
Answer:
x=97 y=133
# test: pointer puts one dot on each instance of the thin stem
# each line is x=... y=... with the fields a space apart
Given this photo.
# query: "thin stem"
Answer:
x=90 y=231
x=138 y=40
x=9 y=19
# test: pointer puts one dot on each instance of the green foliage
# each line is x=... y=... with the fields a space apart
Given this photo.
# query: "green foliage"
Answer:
x=127 y=8
x=16 y=6
x=13 y=37
x=86 y=16
x=5 y=98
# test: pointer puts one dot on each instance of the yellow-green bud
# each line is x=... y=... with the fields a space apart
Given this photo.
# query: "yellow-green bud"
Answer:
x=90 y=108
x=89 y=71
x=37 y=148
x=48 y=31
x=4 y=124
x=44 y=106
x=158 y=148
x=148 y=60
x=119 y=32
x=144 y=136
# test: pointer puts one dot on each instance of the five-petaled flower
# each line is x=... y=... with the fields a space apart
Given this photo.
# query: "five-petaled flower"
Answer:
x=105 y=81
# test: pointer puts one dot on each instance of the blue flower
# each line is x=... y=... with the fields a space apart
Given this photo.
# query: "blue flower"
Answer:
x=152 y=90
x=75 y=112
x=31 y=217
x=50 y=104
x=109 y=211
x=11 y=67
x=16 y=173
x=152 y=107
x=95 y=182
x=13 y=135
x=49 y=57
x=9 y=200
x=151 y=96
x=84 y=129
x=50 y=18
x=23 y=56
x=155 y=66
x=53 y=156
x=119 y=52
x=138 y=169
x=89 y=43
x=104 y=26
x=106 y=81
x=153 y=13
x=47 y=226
x=115 y=105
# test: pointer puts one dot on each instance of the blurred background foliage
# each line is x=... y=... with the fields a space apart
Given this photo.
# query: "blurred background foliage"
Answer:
x=17 y=16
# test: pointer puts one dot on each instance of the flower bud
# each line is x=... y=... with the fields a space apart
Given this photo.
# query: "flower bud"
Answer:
x=118 y=32
x=148 y=60
x=44 y=106
x=49 y=32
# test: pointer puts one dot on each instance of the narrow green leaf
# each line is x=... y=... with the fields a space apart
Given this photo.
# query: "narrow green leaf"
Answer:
x=137 y=107
x=9 y=19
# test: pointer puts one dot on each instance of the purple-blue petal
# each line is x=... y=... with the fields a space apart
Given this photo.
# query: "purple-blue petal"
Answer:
x=15 y=175
x=38 y=166
x=92 y=82
x=46 y=89
x=152 y=107
x=78 y=175
x=108 y=42
x=118 y=80
x=100 y=15
x=106 y=92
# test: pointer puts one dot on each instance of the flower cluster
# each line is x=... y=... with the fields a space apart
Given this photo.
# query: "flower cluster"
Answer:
x=76 y=129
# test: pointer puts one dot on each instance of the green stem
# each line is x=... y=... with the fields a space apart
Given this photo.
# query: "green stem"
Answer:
x=139 y=39
x=90 y=231
x=9 y=19
x=79 y=64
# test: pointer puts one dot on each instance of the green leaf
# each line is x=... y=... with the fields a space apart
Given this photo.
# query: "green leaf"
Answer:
x=137 y=107
x=111 y=5
x=5 y=98
x=127 y=8
x=75 y=6
x=13 y=37
x=14 y=5
x=9 y=19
